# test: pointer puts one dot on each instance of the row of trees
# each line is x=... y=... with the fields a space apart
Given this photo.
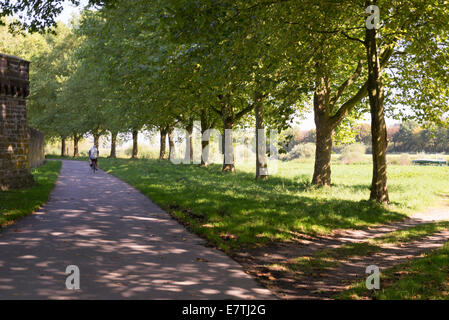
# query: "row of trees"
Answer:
x=408 y=137
x=165 y=63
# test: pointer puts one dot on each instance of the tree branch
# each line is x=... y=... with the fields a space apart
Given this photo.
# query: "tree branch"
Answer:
x=352 y=38
x=348 y=82
x=348 y=105
x=216 y=110
x=244 y=111
x=363 y=91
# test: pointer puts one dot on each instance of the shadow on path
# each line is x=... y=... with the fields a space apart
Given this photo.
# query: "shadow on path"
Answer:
x=124 y=245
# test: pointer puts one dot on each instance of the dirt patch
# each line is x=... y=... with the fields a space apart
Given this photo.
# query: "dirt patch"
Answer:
x=268 y=263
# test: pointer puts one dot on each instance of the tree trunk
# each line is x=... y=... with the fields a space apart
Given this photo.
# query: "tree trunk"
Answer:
x=204 y=144
x=171 y=142
x=322 y=170
x=261 y=143
x=96 y=140
x=189 y=143
x=76 y=139
x=113 y=153
x=135 y=147
x=162 y=152
x=63 y=149
x=227 y=139
x=227 y=145
x=324 y=129
x=204 y=153
x=379 y=188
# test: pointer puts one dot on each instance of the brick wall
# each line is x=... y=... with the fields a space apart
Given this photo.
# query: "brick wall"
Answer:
x=14 y=135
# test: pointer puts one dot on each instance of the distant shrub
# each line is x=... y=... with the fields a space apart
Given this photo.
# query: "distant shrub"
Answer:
x=353 y=153
x=355 y=147
x=129 y=151
x=149 y=154
x=306 y=150
x=52 y=149
x=404 y=160
x=394 y=161
x=143 y=151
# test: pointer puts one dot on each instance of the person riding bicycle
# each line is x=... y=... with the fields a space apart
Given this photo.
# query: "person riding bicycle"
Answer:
x=93 y=156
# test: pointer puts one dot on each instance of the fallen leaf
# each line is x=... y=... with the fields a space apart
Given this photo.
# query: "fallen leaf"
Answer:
x=202 y=260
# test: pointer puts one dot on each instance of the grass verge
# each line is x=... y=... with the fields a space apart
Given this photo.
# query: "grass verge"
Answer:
x=419 y=279
x=324 y=260
x=413 y=233
x=15 y=204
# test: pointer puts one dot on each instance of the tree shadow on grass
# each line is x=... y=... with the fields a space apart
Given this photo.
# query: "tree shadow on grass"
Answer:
x=252 y=211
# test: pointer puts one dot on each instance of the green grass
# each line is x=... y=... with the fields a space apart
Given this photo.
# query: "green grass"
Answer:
x=413 y=233
x=329 y=258
x=324 y=260
x=232 y=210
x=15 y=204
x=423 y=278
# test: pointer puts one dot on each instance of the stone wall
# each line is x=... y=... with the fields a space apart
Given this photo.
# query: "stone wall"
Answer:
x=14 y=135
x=36 y=152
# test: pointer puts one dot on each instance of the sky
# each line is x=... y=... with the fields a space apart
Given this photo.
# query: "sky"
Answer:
x=70 y=10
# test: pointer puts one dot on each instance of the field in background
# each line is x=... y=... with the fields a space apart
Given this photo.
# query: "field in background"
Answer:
x=152 y=152
x=234 y=210
x=145 y=151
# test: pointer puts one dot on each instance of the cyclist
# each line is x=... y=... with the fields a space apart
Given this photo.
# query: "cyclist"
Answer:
x=93 y=156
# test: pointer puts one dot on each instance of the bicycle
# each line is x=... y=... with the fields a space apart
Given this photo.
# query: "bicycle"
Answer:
x=93 y=166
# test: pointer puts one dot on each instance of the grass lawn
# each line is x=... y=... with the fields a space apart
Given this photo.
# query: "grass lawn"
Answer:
x=423 y=278
x=234 y=210
x=19 y=203
x=325 y=259
x=413 y=233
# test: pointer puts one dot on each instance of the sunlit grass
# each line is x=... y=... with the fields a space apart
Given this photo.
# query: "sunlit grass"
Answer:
x=326 y=259
x=423 y=278
x=413 y=233
x=323 y=260
x=15 y=204
x=232 y=210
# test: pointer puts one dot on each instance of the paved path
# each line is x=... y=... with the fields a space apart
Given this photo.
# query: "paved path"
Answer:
x=124 y=245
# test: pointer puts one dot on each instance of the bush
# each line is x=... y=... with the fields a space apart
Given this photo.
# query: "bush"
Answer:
x=143 y=152
x=392 y=161
x=306 y=150
x=148 y=153
x=129 y=151
x=404 y=160
x=353 y=153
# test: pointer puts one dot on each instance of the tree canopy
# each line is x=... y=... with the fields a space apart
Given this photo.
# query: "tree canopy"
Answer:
x=127 y=66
